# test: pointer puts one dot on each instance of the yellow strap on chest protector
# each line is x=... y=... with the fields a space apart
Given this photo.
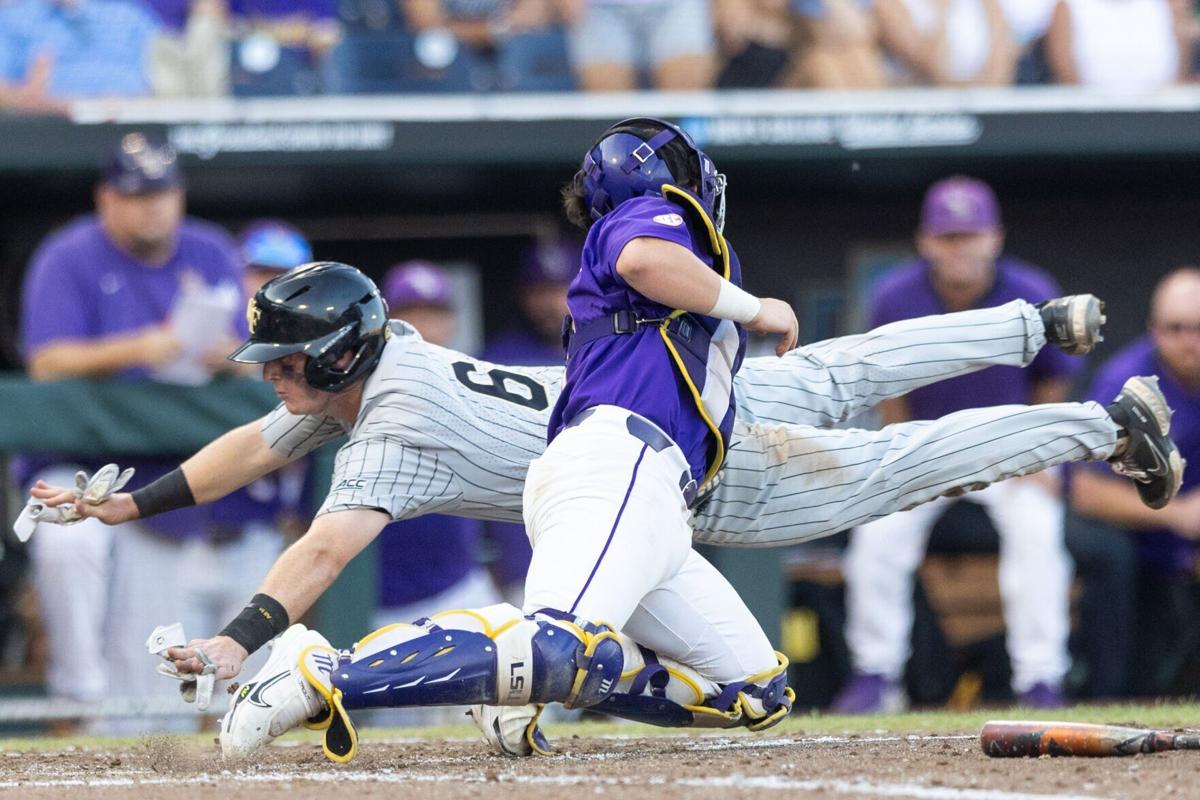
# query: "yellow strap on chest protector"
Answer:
x=720 y=250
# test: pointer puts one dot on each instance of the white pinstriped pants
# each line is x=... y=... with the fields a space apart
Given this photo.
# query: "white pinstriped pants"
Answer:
x=796 y=479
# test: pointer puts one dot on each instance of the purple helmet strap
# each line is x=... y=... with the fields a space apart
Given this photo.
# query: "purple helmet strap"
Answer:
x=644 y=152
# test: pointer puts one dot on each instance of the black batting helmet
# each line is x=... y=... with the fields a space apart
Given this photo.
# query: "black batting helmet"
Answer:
x=323 y=310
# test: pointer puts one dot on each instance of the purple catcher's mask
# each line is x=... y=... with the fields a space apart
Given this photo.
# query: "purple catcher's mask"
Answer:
x=621 y=166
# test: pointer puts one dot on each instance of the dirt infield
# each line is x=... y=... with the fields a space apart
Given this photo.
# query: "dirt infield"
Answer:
x=928 y=767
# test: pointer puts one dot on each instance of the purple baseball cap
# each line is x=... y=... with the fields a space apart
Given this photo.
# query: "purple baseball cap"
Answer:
x=549 y=262
x=417 y=283
x=273 y=244
x=136 y=166
x=959 y=205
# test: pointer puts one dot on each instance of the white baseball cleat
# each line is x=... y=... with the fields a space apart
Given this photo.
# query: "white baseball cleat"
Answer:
x=512 y=730
x=280 y=697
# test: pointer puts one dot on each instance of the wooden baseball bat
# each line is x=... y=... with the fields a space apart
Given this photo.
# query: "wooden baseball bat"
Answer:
x=1004 y=739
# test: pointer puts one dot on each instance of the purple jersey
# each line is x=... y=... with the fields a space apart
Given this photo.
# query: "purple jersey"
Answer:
x=907 y=292
x=81 y=286
x=1159 y=548
x=420 y=558
x=638 y=371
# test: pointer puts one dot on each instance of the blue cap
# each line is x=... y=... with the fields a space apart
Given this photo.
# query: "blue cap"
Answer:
x=273 y=244
x=136 y=166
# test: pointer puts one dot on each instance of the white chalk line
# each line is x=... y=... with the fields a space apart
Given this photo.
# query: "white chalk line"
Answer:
x=737 y=782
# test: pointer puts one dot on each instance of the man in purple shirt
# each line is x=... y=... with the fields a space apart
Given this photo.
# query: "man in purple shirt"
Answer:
x=960 y=241
x=546 y=271
x=98 y=302
x=1138 y=565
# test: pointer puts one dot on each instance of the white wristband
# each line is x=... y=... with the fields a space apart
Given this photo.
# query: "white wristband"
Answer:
x=735 y=304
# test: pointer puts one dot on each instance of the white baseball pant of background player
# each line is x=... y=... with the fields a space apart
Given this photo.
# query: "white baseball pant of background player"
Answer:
x=124 y=580
x=1035 y=576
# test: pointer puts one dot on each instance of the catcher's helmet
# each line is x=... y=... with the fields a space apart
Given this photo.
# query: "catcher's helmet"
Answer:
x=324 y=310
x=622 y=165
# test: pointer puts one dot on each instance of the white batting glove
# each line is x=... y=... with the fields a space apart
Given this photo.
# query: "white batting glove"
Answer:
x=193 y=688
x=93 y=490
x=108 y=480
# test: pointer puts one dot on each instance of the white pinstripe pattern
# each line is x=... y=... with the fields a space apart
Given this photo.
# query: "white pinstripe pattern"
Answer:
x=427 y=442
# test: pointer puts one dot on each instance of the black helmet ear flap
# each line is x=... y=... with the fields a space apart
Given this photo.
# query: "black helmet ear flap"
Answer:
x=322 y=370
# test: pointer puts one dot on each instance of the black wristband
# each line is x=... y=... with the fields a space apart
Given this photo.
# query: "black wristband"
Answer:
x=258 y=623
x=168 y=493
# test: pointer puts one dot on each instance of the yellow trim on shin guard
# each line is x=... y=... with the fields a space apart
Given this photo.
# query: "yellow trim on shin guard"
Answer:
x=340 y=743
x=531 y=728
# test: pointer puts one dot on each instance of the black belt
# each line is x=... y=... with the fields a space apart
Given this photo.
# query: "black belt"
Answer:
x=652 y=437
x=618 y=323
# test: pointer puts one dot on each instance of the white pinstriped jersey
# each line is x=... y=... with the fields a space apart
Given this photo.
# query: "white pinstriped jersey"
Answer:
x=438 y=431
x=442 y=432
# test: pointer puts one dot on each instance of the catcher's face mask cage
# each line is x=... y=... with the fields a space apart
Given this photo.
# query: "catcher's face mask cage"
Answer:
x=323 y=310
x=621 y=166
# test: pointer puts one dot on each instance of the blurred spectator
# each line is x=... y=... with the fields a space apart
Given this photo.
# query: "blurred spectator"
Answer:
x=1187 y=16
x=947 y=42
x=506 y=44
x=617 y=43
x=1138 y=566
x=1028 y=21
x=102 y=299
x=840 y=46
x=960 y=241
x=191 y=56
x=546 y=270
x=52 y=51
x=1119 y=44
x=439 y=554
x=755 y=38
x=280 y=46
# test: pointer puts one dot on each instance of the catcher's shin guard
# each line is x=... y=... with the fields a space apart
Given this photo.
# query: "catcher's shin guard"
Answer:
x=493 y=655
x=671 y=695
